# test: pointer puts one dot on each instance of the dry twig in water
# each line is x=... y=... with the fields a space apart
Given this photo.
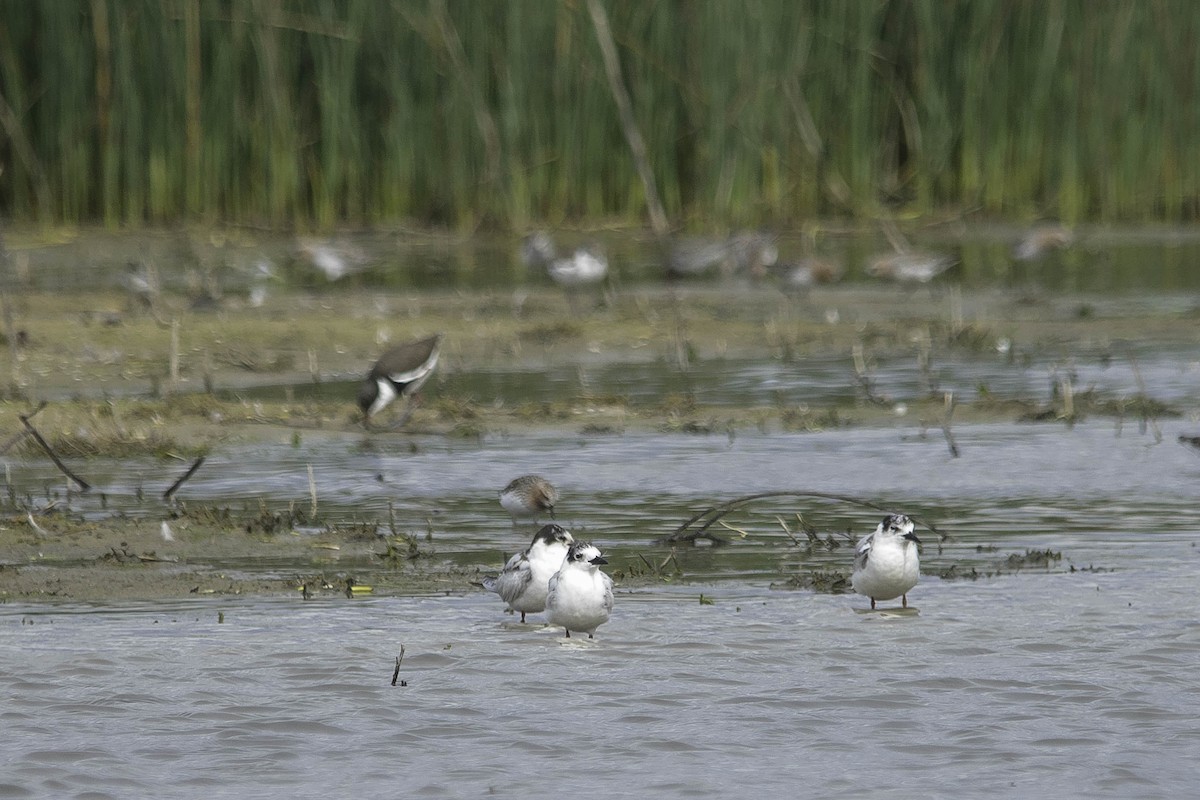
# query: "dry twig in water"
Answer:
x=685 y=532
x=37 y=437
x=864 y=378
x=174 y=487
x=396 y=672
x=946 y=424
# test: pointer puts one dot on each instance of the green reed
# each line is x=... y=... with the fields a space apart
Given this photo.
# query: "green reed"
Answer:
x=315 y=113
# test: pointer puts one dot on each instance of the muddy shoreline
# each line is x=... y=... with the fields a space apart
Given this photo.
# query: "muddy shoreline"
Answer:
x=119 y=380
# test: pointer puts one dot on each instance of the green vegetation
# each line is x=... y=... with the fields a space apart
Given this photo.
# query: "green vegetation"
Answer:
x=315 y=113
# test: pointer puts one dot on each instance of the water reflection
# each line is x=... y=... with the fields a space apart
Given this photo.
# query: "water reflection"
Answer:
x=1103 y=497
x=1121 y=371
x=1103 y=260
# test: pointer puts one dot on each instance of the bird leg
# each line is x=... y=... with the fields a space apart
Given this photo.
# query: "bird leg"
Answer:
x=568 y=630
x=522 y=617
x=872 y=603
x=904 y=600
x=410 y=405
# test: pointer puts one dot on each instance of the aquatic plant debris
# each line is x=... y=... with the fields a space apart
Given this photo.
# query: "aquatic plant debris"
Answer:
x=686 y=533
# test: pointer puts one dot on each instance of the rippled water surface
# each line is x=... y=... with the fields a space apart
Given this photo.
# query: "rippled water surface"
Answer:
x=1073 y=676
x=1071 y=685
x=1074 y=679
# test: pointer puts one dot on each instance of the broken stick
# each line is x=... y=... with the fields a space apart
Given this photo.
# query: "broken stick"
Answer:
x=175 y=486
x=37 y=437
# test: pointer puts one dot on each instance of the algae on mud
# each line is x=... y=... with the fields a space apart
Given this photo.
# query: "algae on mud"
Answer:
x=120 y=384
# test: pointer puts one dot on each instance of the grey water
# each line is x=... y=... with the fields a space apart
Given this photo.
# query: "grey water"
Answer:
x=1166 y=373
x=1074 y=677
x=1069 y=685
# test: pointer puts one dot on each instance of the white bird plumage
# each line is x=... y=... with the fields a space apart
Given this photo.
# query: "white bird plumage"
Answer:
x=886 y=563
x=524 y=582
x=580 y=596
x=582 y=268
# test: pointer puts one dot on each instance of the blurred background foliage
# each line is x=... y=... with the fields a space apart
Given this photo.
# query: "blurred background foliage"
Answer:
x=469 y=114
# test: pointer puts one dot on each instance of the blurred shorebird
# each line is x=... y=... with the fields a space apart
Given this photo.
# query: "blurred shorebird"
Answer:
x=399 y=372
x=904 y=265
x=586 y=266
x=811 y=270
x=524 y=582
x=538 y=250
x=1039 y=241
x=579 y=596
x=141 y=281
x=529 y=496
x=691 y=255
x=334 y=261
x=262 y=273
x=748 y=252
x=753 y=253
x=910 y=268
x=886 y=563
x=801 y=276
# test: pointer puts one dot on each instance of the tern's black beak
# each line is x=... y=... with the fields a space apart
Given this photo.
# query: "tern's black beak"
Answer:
x=599 y=560
x=912 y=537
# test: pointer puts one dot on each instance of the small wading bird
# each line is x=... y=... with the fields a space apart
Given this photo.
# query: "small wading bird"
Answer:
x=905 y=265
x=886 y=564
x=334 y=261
x=1041 y=240
x=753 y=252
x=587 y=265
x=524 y=582
x=399 y=372
x=538 y=250
x=910 y=268
x=746 y=252
x=141 y=281
x=529 y=496
x=801 y=276
x=580 y=596
x=695 y=256
x=812 y=269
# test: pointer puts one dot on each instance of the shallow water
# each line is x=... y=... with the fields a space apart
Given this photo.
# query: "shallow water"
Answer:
x=1069 y=685
x=1070 y=678
x=1104 y=259
x=1166 y=373
x=1101 y=493
x=1032 y=681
